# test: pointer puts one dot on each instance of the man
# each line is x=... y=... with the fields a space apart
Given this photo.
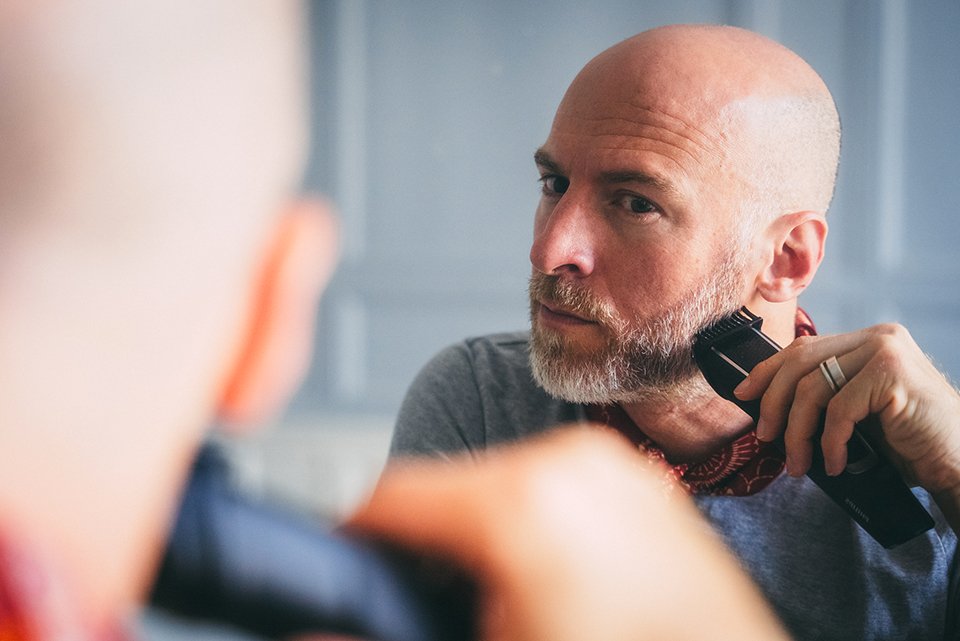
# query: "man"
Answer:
x=688 y=171
x=155 y=277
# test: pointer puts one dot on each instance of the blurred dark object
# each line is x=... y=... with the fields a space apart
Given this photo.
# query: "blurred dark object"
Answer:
x=277 y=573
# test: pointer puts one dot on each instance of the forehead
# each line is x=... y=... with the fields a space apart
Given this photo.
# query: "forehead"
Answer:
x=612 y=113
x=670 y=147
x=664 y=95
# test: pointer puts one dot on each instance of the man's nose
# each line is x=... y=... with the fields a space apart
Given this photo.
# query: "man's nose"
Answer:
x=563 y=239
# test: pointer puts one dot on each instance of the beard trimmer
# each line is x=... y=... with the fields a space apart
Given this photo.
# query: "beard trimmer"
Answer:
x=870 y=489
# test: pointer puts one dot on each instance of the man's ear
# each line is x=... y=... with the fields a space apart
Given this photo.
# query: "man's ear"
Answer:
x=797 y=241
x=276 y=350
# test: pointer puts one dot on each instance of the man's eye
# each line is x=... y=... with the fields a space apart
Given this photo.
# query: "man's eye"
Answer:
x=641 y=205
x=637 y=204
x=553 y=184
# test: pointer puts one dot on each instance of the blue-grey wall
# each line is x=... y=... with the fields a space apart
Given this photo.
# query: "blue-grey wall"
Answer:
x=428 y=112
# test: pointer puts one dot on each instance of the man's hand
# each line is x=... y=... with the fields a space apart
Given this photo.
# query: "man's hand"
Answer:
x=571 y=536
x=887 y=375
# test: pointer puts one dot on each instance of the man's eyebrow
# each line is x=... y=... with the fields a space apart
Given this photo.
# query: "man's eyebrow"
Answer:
x=544 y=161
x=619 y=177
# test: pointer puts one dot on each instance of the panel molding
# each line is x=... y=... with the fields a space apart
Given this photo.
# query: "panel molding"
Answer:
x=891 y=105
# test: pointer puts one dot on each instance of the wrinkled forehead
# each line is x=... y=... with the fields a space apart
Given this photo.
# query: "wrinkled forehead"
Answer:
x=652 y=94
x=624 y=123
x=612 y=121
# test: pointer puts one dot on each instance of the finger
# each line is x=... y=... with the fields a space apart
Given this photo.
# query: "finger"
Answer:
x=463 y=508
x=809 y=349
x=837 y=432
x=759 y=377
x=422 y=506
x=799 y=359
x=779 y=396
x=845 y=408
x=818 y=407
x=804 y=421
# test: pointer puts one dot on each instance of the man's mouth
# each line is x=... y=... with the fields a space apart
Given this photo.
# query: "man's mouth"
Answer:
x=556 y=314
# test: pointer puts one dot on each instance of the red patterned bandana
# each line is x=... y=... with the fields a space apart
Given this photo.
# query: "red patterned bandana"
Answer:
x=740 y=468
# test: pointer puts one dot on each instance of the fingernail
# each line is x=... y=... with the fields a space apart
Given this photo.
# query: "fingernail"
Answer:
x=833 y=467
x=763 y=431
x=790 y=464
x=740 y=389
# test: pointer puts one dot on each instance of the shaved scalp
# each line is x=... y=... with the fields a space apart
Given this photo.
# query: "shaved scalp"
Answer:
x=756 y=106
x=147 y=149
x=144 y=107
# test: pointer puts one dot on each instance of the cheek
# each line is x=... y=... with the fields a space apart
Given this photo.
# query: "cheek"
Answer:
x=647 y=280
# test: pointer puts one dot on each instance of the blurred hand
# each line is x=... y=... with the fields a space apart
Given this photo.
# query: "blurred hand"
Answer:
x=571 y=536
x=887 y=375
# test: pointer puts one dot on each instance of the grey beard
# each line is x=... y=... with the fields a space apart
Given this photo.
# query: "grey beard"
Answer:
x=652 y=360
x=621 y=373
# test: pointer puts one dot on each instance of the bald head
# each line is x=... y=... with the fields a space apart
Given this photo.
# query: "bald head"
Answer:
x=148 y=151
x=755 y=109
x=114 y=113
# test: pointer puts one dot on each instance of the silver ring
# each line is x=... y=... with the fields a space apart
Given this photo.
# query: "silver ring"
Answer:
x=831 y=371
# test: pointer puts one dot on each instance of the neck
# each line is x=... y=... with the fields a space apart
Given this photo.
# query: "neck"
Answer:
x=779 y=319
x=690 y=424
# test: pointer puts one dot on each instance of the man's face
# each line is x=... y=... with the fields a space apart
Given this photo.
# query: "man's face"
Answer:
x=638 y=243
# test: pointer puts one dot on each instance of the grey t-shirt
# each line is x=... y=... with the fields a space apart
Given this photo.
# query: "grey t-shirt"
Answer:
x=825 y=577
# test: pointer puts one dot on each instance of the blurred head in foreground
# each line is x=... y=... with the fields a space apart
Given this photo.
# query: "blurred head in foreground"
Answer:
x=155 y=273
